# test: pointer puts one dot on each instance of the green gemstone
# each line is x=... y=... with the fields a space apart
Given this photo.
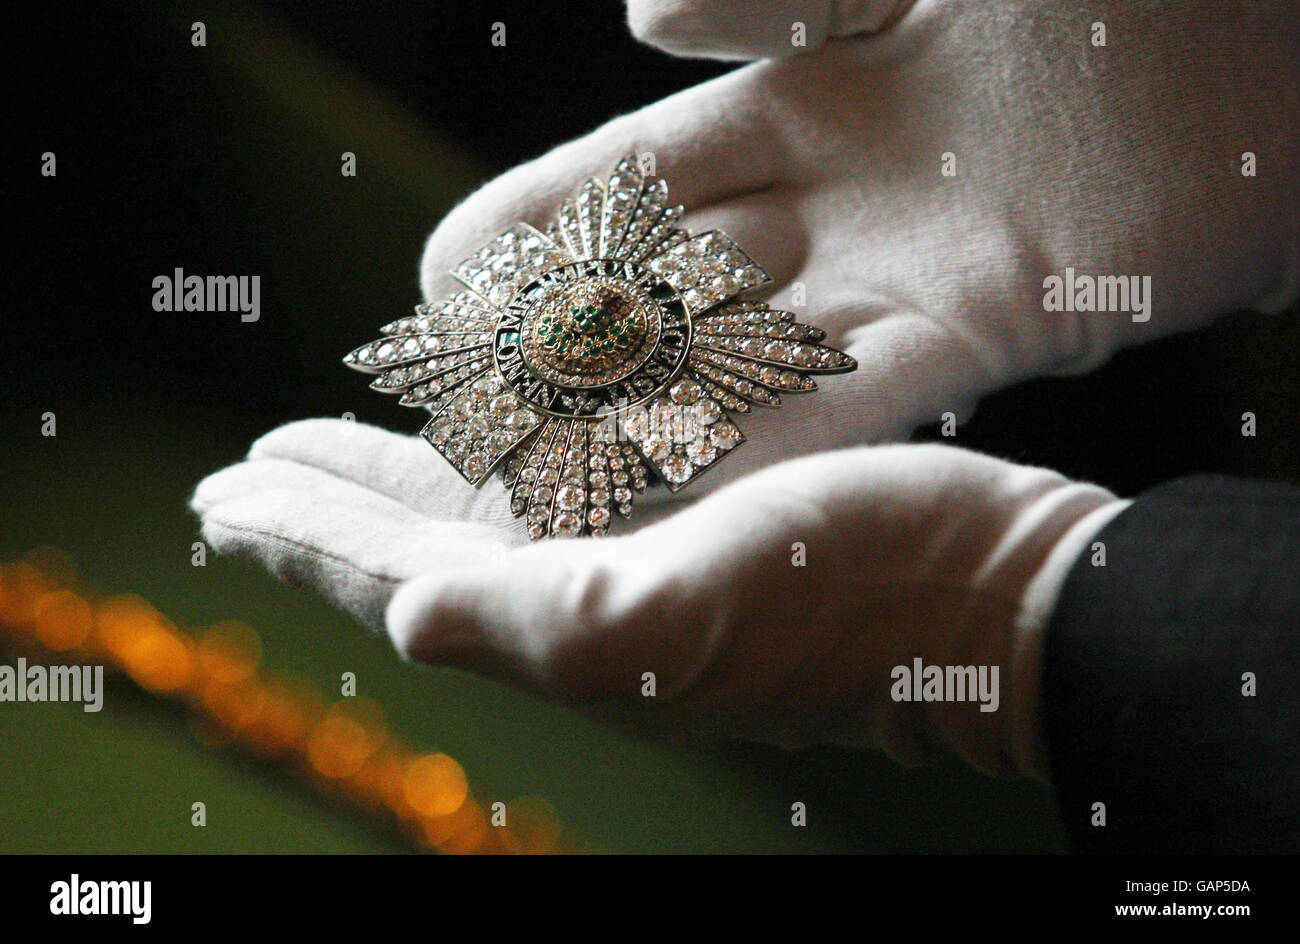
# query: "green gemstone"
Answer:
x=591 y=317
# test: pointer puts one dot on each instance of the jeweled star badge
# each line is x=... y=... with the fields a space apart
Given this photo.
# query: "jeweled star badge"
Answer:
x=584 y=360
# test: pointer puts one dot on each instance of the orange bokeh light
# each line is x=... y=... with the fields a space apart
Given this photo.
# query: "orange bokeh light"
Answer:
x=435 y=785
x=23 y=586
x=284 y=721
x=390 y=779
x=338 y=746
x=159 y=660
x=234 y=707
x=464 y=827
x=62 y=620
x=229 y=652
x=120 y=620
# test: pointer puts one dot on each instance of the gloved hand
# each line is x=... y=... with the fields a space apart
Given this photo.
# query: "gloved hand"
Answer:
x=775 y=609
x=1115 y=160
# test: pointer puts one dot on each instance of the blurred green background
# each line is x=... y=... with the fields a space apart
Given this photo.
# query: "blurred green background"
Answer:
x=225 y=160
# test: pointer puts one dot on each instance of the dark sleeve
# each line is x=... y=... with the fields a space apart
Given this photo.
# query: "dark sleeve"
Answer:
x=1145 y=699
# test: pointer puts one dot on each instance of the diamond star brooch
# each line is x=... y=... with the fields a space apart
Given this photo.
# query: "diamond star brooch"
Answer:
x=588 y=360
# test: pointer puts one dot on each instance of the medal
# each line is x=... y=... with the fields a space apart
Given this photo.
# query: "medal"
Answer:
x=586 y=361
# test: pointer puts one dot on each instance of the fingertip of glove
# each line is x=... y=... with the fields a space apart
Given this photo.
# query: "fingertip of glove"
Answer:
x=200 y=502
x=727 y=29
x=247 y=478
x=677 y=27
x=400 y=618
x=655 y=22
x=218 y=487
x=411 y=617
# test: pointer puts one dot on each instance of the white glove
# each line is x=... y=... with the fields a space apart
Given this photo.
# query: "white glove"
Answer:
x=1122 y=160
x=754 y=29
x=910 y=551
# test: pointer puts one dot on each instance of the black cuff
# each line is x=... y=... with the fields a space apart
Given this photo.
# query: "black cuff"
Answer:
x=1145 y=697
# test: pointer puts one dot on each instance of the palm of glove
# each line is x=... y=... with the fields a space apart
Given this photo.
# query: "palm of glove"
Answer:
x=355 y=511
x=773 y=609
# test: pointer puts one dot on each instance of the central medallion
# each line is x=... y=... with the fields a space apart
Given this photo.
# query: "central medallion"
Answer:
x=589 y=338
x=586 y=334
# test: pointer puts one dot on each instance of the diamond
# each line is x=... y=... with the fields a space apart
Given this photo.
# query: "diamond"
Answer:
x=724 y=436
x=475 y=466
x=701 y=452
x=521 y=420
x=676 y=469
x=685 y=392
x=656 y=448
x=707 y=412
x=441 y=431
x=636 y=423
x=570 y=497
x=566 y=525
x=486 y=386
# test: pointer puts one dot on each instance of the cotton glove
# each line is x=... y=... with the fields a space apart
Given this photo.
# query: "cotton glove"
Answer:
x=754 y=29
x=775 y=609
x=1122 y=160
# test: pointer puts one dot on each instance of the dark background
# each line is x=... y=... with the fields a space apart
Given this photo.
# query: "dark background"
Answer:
x=225 y=160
